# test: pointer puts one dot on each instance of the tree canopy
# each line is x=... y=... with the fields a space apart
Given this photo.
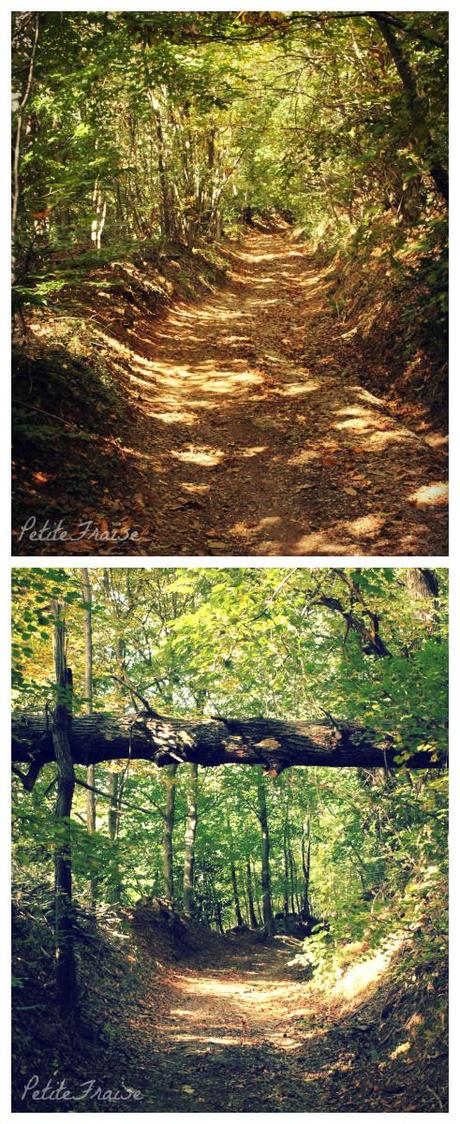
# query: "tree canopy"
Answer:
x=141 y=124
x=324 y=658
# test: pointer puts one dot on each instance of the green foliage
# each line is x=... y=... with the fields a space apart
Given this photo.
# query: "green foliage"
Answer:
x=242 y=642
x=145 y=126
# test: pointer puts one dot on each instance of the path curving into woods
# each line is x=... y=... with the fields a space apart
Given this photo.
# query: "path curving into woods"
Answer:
x=238 y=1030
x=258 y=435
x=246 y=426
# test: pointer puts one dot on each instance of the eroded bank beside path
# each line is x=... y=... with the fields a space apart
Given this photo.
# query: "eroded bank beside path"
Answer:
x=250 y=425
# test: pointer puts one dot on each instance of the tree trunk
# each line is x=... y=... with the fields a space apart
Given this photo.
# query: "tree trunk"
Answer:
x=66 y=974
x=19 y=123
x=168 y=830
x=265 y=855
x=90 y=772
x=285 y=870
x=88 y=634
x=210 y=742
x=113 y=810
x=252 y=916
x=423 y=587
x=295 y=900
x=166 y=201
x=190 y=834
x=216 y=907
x=306 y=863
x=99 y=216
x=113 y=824
x=236 y=898
x=233 y=878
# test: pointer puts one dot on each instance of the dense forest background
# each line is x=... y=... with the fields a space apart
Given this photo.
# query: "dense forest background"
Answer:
x=150 y=126
x=145 y=143
x=348 y=863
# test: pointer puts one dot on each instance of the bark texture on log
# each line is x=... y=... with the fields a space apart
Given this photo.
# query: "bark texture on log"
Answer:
x=206 y=741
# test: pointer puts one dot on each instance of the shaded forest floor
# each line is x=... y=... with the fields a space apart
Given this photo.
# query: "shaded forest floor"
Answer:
x=199 y=1023
x=245 y=422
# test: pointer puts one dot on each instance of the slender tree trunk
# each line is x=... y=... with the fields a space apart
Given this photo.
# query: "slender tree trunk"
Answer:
x=88 y=634
x=285 y=868
x=91 y=771
x=190 y=835
x=258 y=908
x=113 y=810
x=19 y=123
x=306 y=860
x=252 y=915
x=265 y=855
x=216 y=907
x=292 y=876
x=168 y=830
x=236 y=897
x=66 y=974
x=113 y=824
x=99 y=215
x=233 y=878
x=166 y=201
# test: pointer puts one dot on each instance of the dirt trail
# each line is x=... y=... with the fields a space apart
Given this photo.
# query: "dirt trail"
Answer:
x=257 y=435
x=238 y=1030
x=223 y=1037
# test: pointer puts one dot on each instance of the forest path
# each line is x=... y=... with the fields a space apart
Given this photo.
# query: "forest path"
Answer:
x=237 y=1029
x=256 y=435
x=224 y=1034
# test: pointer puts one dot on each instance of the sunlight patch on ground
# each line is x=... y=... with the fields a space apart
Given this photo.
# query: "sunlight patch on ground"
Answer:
x=222 y=382
x=430 y=495
x=371 y=422
x=379 y=440
x=304 y=456
x=203 y=456
x=436 y=440
x=209 y=985
x=366 y=395
x=253 y=451
x=268 y=521
x=401 y=1049
x=195 y=489
x=173 y=417
x=297 y=389
x=367 y=525
x=344 y=535
x=212 y=1040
